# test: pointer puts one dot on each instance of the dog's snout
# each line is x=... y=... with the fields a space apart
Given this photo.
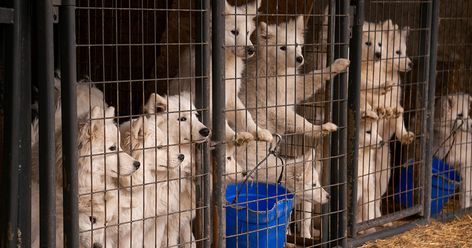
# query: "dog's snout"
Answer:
x=97 y=245
x=136 y=164
x=300 y=59
x=378 y=55
x=181 y=157
x=204 y=132
x=250 y=50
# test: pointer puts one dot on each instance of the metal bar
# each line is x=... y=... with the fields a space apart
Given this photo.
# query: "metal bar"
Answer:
x=385 y=233
x=353 y=113
x=429 y=119
x=338 y=221
x=390 y=218
x=202 y=102
x=69 y=122
x=16 y=212
x=45 y=76
x=7 y=15
x=218 y=121
x=426 y=141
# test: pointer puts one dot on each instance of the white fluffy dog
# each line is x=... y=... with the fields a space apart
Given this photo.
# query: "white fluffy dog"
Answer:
x=453 y=138
x=273 y=86
x=239 y=25
x=101 y=161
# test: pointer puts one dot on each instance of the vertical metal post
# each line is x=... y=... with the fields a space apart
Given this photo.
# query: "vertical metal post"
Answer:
x=69 y=122
x=16 y=175
x=45 y=76
x=202 y=102
x=338 y=220
x=430 y=20
x=218 y=121
x=353 y=121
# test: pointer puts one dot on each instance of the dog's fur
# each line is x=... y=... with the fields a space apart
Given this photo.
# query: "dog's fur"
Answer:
x=383 y=58
x=453 y=138
x=100 y=162
x=160 y=174
x=369 y=142
x=273 y=75
x=238 y=28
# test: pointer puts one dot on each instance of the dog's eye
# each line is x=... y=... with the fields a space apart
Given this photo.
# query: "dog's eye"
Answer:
x=228 y=158
x=314 y=184
x=283 y=48
x=93 y=219
x=183 y=118
x=398 y=52
x=380 y=44
x=368 y=132
x=368 y=43
x=112 y=148
x=235 y=32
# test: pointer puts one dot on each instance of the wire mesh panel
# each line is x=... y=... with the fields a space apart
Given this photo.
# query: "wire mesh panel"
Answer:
x=278 y=109
x=391 y=134
x=153 y=188
x=451 y=185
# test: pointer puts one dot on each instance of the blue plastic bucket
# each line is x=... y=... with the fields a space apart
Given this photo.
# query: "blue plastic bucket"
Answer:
x=444 y=182
x=259 y=216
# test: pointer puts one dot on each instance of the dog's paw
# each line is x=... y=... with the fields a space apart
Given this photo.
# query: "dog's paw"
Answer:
x=387 y=87
x=305 y=233
x=369 y=114
x=340 y=65
x=328 y=128
x=407 y=137
x=397 y=111
x=381 y=112
x=264 y=135
x=242 y=138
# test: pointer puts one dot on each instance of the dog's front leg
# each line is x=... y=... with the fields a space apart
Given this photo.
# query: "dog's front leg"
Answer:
x=402 y=134
x=309 y=84
x=242 y=118
x=290 y=122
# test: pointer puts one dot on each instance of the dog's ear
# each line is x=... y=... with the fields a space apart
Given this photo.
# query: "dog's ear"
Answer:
x=252 y=7
x=229 y=9
x=387 y=25
x=450 y=101
x=300 y=25
x=96 y=119
x=155 y=104
x=406 y=31
x=110 y=112
x=136 y=127
x=264 y=31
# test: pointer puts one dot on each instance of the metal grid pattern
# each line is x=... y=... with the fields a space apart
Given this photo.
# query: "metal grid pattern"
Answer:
x=176 y=124
x=452 y=139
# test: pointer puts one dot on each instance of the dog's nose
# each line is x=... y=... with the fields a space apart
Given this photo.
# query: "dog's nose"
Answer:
x=378 y=55
x=410 y=64
x=136 y=164
x=250 y=51
x=181 y=157
x=299 y=59
x=204 y=132
x=97 y=245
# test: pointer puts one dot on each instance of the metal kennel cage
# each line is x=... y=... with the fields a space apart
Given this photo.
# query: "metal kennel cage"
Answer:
x=128 y=50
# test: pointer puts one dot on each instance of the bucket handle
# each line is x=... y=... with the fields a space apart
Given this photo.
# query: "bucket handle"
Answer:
x=273 y=150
